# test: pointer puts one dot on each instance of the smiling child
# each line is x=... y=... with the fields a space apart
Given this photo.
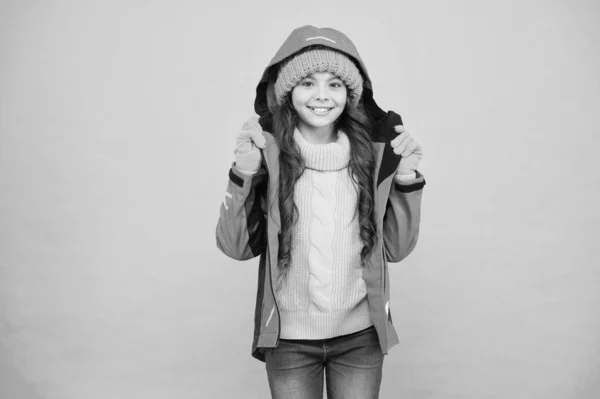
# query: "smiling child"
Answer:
x=325 y=189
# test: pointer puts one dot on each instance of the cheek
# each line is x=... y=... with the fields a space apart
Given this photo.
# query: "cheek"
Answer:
x=341 y=98
x=297 y=100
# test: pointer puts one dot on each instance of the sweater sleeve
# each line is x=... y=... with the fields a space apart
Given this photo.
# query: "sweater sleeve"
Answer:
x=402 y=178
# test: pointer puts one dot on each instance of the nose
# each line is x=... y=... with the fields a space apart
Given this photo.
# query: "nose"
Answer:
x=322 y=94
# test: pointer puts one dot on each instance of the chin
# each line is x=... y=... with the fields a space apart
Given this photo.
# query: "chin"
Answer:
x=321 y=122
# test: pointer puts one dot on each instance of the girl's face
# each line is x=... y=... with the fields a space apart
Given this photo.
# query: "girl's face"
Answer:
x=319 y=99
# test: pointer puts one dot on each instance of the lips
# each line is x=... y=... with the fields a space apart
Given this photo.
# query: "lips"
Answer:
x=320 y=110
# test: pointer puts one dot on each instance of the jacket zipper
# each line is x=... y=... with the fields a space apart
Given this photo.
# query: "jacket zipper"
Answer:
x=383 y=278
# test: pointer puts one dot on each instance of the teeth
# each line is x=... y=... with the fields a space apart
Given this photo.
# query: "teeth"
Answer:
x=321 y=110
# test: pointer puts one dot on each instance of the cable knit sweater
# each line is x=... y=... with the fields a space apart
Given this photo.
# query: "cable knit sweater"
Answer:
x=323 y=294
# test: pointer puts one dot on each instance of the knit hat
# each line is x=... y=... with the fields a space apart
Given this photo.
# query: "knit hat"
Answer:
x=321 y=59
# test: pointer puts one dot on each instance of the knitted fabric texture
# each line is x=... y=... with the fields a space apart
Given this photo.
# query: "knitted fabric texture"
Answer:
x=247 y=157
x=323 y=294
x=319 y=60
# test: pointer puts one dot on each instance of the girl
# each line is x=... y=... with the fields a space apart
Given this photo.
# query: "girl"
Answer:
x=326 y=191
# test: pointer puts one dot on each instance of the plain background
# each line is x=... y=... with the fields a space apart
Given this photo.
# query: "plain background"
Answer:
x=117 y=129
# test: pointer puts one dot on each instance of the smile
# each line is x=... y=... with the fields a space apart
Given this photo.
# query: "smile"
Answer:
x=320 y=110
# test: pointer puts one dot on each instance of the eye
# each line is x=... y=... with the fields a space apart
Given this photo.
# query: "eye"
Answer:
x=337 y=85
x=306 y=83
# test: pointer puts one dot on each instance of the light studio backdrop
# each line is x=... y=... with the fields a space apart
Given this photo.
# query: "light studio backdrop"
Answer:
x=117 y=128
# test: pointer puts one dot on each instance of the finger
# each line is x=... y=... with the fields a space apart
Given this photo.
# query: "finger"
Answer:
x=401 y=136
x=419 y=149
x=401 y=140
x=401 y=147
x=410 y=148
x=416 y=148
x=249 y=126
x=399 y=128
x=400 y=150
x=246 y=129
x=258 y=139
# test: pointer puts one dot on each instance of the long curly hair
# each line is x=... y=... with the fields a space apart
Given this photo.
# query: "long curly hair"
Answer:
x=354 y=122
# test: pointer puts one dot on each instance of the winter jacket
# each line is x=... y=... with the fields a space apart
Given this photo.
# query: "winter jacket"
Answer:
x=249 y=222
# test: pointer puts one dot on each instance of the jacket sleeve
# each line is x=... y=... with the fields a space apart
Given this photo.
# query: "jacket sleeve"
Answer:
x=402 y=218
x=241 y=229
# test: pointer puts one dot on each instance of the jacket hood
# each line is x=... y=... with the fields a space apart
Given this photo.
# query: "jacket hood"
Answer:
x=265 y=103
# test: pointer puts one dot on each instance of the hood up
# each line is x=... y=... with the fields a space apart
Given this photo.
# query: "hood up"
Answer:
x=265 y=103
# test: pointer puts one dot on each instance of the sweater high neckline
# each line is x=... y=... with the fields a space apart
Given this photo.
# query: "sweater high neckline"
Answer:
x=324 y=157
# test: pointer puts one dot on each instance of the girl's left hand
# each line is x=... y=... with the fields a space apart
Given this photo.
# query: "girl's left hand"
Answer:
x=411 y=151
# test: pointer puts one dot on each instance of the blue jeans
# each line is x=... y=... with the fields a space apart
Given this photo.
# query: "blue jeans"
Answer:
x=352 y=365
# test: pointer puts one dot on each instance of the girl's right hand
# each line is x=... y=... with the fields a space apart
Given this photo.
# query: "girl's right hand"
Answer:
x=248 y=142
